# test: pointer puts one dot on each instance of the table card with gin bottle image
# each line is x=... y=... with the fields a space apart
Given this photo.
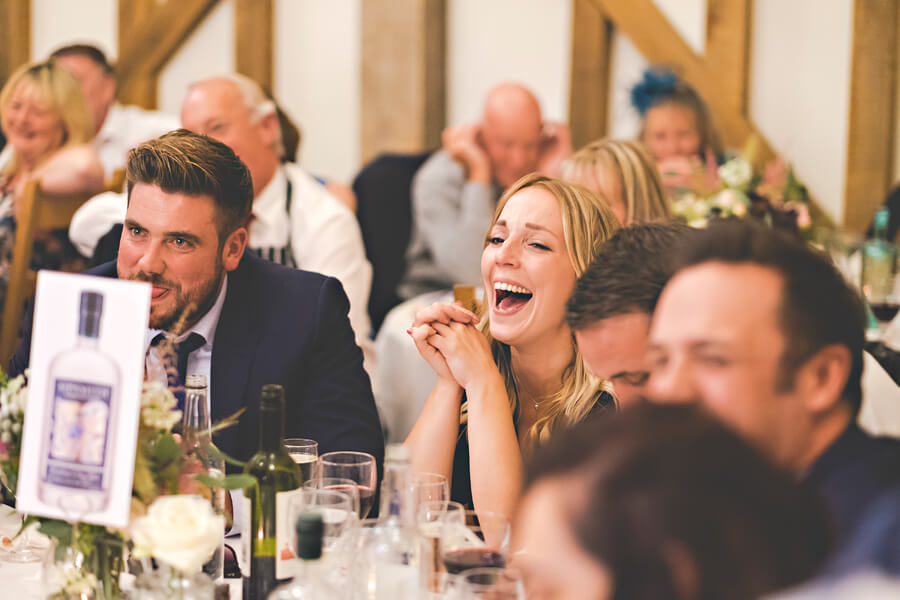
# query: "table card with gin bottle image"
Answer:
x=85 y=381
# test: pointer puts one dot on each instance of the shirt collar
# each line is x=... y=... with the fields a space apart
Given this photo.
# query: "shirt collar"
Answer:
x=207 y=324
x=271 y=196
x=109 y=127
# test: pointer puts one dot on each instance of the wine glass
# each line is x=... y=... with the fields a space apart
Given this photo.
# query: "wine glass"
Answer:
x=337 y=484
x=305 y=453
x=494 y=583
x=336 y=509
x=356 y=466
x=483 y=541
x=428 y=487
x=431 y=518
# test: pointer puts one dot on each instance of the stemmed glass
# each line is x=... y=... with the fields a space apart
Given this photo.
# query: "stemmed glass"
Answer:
x=356 y=466
x=305 y=453
x=428 y=487
x=431 y=519
x=482 y=542
x=337 y=484
x=336 y=509
x=494 y=583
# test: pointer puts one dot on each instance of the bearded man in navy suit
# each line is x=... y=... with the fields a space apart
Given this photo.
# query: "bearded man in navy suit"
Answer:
x=189 y=200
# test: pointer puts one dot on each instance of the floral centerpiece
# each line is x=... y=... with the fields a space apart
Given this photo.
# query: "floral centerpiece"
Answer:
x=91 y=557
x=734 y=190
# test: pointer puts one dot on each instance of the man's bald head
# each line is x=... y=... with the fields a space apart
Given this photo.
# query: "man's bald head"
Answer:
x=511 y=132
x=235 y=111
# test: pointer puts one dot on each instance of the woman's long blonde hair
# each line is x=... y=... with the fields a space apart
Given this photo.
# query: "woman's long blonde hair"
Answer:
x=642 y=190
x=587 y=223
x=62 y=91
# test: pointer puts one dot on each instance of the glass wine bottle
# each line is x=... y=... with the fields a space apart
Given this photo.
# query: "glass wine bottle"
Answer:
x=268 y=558
x=879 y=264
x=203 y=456
x=82 y=401
x=311 y=582
x=393 y=552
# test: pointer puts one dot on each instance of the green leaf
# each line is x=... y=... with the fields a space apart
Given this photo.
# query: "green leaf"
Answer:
x=166 y=449
x=59 y=530
x=216 y=453
x=228 y=482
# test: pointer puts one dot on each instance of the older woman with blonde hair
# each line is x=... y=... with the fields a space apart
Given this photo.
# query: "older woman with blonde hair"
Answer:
x=47 y=126
x=623 y=174
x=514 y=381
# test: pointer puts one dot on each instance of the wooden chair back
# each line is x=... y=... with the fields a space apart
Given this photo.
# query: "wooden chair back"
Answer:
x=41 y=211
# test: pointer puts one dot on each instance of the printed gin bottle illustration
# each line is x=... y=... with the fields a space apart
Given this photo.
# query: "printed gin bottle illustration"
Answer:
x=83 y=388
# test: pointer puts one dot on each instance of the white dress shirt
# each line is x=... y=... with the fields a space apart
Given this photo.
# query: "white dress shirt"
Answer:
x=199 y=363
x=324 y=236
x=124 y=128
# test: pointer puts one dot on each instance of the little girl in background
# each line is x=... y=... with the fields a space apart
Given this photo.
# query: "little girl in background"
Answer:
x=622 y=174
x=676 y=129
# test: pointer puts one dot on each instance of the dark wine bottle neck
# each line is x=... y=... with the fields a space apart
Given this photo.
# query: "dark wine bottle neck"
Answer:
x=271 y=427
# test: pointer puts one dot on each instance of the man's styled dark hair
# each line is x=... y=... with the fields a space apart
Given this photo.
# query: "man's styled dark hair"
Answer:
x=818 y=307
x=627 y=276
x=657 y=480
x=195 y=165
x=94 y=53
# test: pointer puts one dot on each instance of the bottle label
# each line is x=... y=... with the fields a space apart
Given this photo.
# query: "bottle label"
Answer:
x=246 y=514
x=287 y=506
x=78 y=435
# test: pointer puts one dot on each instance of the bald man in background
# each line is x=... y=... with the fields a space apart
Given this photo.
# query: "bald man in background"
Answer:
x=454 y=193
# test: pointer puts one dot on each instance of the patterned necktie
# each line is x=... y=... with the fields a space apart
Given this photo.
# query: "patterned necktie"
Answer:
x=183 y=349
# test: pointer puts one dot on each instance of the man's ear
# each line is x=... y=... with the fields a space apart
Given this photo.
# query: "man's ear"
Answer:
x=233 y=248
x=823 y=376
x=268 y=125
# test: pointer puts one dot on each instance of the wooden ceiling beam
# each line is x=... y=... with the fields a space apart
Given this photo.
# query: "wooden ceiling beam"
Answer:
x=589 y=91
x=254 y=52
x=728 y=31
x=15 y=36
x=146 y=50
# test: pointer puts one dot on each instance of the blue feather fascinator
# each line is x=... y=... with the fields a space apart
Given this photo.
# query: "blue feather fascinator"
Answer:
x=656 y=84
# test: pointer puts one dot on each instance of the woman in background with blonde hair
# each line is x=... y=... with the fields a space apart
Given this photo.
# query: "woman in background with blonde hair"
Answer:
x=622 y=174
x=512 y=382
x=47 y=125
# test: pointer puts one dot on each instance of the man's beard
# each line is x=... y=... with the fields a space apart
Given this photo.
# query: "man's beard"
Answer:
x=189 y=308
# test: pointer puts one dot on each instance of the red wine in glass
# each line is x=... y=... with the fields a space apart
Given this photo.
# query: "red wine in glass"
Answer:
x=366 y=500
x=463 y=559
x=885 y=311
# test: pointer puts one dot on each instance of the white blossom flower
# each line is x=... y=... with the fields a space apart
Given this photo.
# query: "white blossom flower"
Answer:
x=158 y=406
x=736 y=173
x=182 y=531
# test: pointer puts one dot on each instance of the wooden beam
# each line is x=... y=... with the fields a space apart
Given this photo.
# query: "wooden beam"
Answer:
x=15 y=35
x=870 y=136
x=728 y=30
x=403 y=75
x=144 y=53
x=254 y=54
x=660 y=43
x=589 y=83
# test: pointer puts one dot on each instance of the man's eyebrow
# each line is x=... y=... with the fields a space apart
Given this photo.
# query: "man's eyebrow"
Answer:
x=131 y=223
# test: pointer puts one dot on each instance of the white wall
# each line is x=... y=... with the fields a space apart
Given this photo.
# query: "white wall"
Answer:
x=55 y=23
x=527 y=41
x=800 y=88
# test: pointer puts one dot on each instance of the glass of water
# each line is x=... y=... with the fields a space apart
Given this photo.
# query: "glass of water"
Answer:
x=306 y=454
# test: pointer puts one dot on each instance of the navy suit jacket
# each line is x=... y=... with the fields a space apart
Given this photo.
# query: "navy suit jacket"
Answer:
x=289 y=327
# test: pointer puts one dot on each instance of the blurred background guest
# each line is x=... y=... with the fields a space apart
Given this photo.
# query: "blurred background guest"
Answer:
x=613 y=301
x=621 y=173
x=676 y=128
x=454 y=193
x=766 y=334
x=116 y=127
x=663 y=503
x=521 y=362
x=48 y=127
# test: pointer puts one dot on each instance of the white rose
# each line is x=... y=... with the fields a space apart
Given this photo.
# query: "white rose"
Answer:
x=736 y=173
x=181 y=531
x=158 y=406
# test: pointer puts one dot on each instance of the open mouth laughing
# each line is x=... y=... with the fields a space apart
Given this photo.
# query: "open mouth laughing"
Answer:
x=510 y=298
